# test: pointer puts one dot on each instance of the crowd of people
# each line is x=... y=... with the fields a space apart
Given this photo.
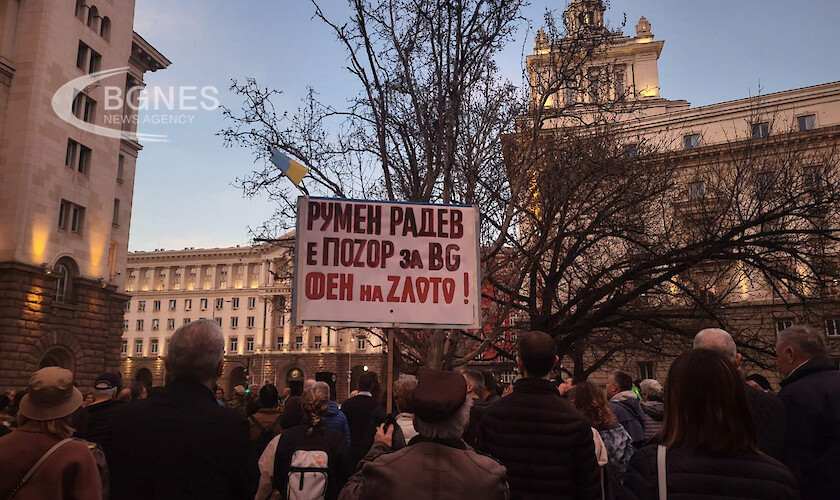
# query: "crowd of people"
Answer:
x=707 y=432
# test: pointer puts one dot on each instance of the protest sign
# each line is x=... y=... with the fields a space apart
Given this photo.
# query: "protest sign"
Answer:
x=381 y=264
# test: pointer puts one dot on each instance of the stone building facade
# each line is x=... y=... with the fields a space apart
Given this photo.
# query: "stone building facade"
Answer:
x=65 y=189
x=247 y=291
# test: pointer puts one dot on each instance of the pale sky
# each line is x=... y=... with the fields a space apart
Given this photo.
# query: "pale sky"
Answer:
x=715 y=50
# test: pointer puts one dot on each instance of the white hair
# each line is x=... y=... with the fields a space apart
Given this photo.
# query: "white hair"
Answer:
x=715 y=339
x=451 y=427
x=651 y=388
x=195 y=351
x=308 y=383
x=105 y=393
x=323 y=385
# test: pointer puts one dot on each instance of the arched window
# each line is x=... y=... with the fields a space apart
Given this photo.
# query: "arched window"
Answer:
x=93 y=18
x=65 y=270
x=105 y=28
x=81 y=9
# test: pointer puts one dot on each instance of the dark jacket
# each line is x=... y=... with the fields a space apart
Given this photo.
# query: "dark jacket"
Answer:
x=181 y=445
x=625 y=405
x=440 y=469
x=770 y=422
x=477 y=411
x=97 y=421
x=337 y=421
x=545 y=443
x=654 y=414
x=698 y=475
x=322 y=438
x=812 y=397
x=292 y=413
x=364 y=414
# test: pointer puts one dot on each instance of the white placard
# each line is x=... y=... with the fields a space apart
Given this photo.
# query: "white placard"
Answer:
x=382 y=264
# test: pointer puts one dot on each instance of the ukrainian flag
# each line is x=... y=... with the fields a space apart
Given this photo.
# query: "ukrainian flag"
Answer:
x=290 y=168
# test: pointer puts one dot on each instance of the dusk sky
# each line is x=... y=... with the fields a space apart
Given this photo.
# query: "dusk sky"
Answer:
x=715 y=51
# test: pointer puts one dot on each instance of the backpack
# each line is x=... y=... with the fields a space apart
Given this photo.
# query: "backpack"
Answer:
x=309 y=475
x=266 y=434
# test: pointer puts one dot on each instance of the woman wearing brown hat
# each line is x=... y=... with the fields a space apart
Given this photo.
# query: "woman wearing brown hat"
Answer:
x=39 y=460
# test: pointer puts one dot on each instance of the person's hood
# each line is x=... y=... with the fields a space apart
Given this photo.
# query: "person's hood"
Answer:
x=624 y=396
x=654 y=409
x=333 y=409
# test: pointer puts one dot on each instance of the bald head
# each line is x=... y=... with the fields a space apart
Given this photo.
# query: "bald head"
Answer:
x=715 y=339
x=308 y=383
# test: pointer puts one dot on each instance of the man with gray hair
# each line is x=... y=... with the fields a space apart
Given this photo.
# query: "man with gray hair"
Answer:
x=436 y=463
x=183 y=444
x=475 y=390
x=652 y=406
x=767 y=410
x=811 y=393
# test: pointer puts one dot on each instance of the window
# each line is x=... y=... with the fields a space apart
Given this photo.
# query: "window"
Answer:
x=105 y=28
x=696 y=191
x=85 y=155
x=299 y=342
x=187 y=320
x=806 y=122
x=234 y=303
x=234 y=322
x=595 y=85
x=692 y=141
x=81 y=55
x=631 y=150
x=252 y=302
x=95 y=62
x=125 y=324
x=203 y=304
x=765 y=181
x=81 y=7
x=782 y=324
x=188 y=304
x=124 y=347
x=317 y=343
x=645 y=369
x=361 y=343
x=116 y=219
x=282 y=304
x=63 y=213
x=219 y=322
x=811 y=177
x=569 y=96
x=172 y=304
x=219 y=304
x=170 y=324
x=141 y=305
x=93 y=16
x=833 y=327
x=250 y=321
x=249 y=344
x=155 y=324
x=282 y=320
x=760 y=130
x=156 y=306
x=279 y=342
x=234 y=345
x=120 y=168
x=618 y=85
x=70 y=156
x=138 y=347
x=89 y=110
x=153 y=346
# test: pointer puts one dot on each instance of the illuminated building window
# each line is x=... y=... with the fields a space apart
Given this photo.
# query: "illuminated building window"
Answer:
x=249 y=344
x=138 y=347
x=186 y=320
x=361 y=343
x=141 y=305
x=317 y=343
x=155 y=324
x=219 y=322
x=153 y=346
x=833 y=327
x=250 y=322
x=203 y=304
x=219 y=304
x=234 y=303
x=234 y=345
x=156 y=306
x=299 y=342
x=234 y=322
x=252 y=302
x=173 y=303
x=170 y=324
x=139 y=325
x=187 y=304
x=124 y=347
x=280 y=342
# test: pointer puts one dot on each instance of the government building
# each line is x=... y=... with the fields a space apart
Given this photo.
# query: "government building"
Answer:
x=65 y=186
x=247 y=291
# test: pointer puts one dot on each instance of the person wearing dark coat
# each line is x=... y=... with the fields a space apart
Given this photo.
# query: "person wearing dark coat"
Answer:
x=710 y=446
x=546 y=445
x=364 y=414
x=625 y=405
x=183 y=444
x=811 y=393
x=767 y=410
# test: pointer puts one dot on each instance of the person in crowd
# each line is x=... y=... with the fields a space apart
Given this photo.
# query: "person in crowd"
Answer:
x=326 y=448
x=69 y=470
x=124 y=394
x=139 y=391
x=364 y=414
x=89 y=399
x=652 y=406
x=403 y=394
x=760 y=382
x=13 y=407
x=546 y=444
x=491 y=388
x=252 y=400
x=767 y=410
x=238 y=402
x=811 y=393
x=265 y=423
x=709 y=442
x=182 y=444
x=335 y=418
x=293 y=409
x=219 y=393
x=588 y=398
x=475 y=390
x=436 y=463
x=624 y=403
x=287 y=393
x=99 y=416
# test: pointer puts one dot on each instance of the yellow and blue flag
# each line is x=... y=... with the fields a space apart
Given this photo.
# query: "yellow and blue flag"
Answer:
x=290 y=168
